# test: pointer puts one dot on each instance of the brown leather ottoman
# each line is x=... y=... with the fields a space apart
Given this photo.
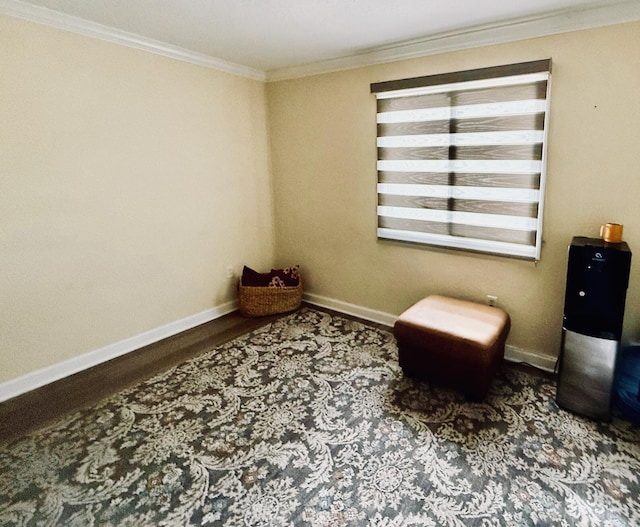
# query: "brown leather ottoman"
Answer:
x=453 y=343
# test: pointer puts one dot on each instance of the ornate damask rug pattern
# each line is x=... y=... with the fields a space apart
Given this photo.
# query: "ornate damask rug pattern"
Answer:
x=308 y=421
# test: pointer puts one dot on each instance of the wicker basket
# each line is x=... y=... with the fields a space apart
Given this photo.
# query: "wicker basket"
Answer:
x=262 y=301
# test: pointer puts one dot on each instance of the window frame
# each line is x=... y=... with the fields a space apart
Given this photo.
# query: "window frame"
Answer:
x=498 y=78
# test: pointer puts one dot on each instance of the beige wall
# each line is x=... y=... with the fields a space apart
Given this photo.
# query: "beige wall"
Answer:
x=322 y=133
x=128 y=182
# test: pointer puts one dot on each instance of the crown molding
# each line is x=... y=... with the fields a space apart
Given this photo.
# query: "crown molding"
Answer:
x=49 y=17
x=510 y=31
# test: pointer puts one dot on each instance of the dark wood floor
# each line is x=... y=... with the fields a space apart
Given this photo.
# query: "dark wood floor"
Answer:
x=40 y=407
x=35 y=409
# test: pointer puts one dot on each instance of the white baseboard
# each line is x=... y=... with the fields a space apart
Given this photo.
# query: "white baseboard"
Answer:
x=511 y=354
x=372 y=315
x=48 y=374
x=542 y=362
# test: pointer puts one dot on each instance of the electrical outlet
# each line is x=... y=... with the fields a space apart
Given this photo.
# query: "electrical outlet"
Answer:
x=492 y=300
x=229 y=271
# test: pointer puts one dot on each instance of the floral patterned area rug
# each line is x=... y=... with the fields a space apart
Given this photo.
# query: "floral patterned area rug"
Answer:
x=309 y=421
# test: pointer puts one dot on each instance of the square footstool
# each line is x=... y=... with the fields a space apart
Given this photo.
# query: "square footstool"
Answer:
x=453 y=343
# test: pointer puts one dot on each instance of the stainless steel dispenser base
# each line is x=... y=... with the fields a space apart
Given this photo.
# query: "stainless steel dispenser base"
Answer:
x=587 y=366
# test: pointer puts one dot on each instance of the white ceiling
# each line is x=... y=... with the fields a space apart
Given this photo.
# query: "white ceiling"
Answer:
x=278 y=35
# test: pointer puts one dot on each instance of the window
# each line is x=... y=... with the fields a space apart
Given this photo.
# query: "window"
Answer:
x=461 y=158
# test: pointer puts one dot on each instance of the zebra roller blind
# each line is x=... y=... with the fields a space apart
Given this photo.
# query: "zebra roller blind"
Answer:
x=461 y=158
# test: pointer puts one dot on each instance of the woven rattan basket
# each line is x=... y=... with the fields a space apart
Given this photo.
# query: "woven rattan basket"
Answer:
x=262 y=301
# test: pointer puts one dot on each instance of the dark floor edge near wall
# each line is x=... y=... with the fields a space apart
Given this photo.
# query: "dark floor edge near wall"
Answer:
x=39 y=407
x=44 y=405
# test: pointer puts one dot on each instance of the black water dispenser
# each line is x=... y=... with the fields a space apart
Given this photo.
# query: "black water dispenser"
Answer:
x=597 y=280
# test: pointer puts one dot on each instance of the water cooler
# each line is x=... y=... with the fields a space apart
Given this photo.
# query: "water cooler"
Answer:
x=597 y=280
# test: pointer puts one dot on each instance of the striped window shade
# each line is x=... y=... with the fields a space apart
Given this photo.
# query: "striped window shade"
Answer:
x=461 y=158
